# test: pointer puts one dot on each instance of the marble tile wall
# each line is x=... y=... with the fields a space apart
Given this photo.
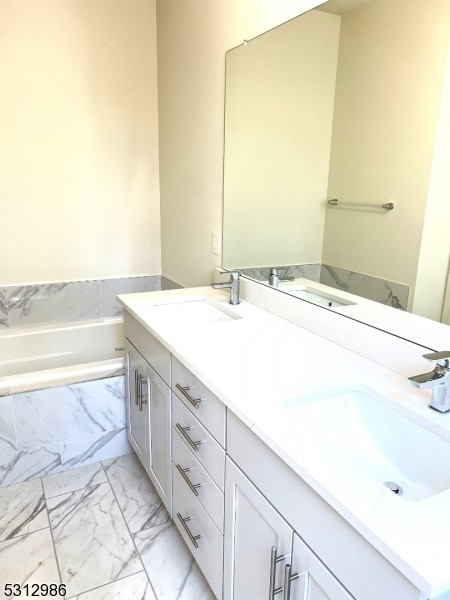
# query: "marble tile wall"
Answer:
x=311 y=271
x=380 y=290
x=27 y=305
x=373 y=288
x=4 y=323
x=55 y=429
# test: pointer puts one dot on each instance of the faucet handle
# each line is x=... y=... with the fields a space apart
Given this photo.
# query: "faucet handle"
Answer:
x=440 y=357
x=233 y=274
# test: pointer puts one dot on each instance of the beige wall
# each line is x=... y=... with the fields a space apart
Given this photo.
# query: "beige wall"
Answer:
x=384 y=135
x=277 y=143
x=192 y=40
x=433 y=276
x=79 y=140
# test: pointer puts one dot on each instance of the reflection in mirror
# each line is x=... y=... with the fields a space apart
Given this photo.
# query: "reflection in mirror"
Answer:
x=348 y=101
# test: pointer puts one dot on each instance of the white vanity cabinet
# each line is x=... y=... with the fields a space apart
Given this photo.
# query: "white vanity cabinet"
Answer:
x=333 y=561
x=314 y=581
x=264 y=557
x=257 y=528
x=198 y=471
x=136 y=405
x=148 y=405
x=258 y=541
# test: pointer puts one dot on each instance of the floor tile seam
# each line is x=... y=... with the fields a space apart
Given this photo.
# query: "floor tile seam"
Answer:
x=52 y=537
x=169 y=518
x=104 y=585
x=78 y=489
x=31 y=518
x=108 y=483
x=129 y=531
x=25 y=534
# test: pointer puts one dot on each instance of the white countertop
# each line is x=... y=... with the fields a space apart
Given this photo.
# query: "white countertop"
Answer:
x=258 y=362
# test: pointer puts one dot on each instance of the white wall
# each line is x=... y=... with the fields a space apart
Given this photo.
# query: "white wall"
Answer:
x=433 y=276
x=193 y=38
x=79 y=183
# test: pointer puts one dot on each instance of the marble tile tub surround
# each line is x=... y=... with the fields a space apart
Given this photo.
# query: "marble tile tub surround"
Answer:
x=386 y=292
x=36 y=304
x=59 y=428
x=67 y=528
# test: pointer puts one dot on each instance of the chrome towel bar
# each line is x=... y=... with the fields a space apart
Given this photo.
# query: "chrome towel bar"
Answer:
x=336 y=202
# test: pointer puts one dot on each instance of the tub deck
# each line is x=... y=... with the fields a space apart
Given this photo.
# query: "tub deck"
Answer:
x=44 y=356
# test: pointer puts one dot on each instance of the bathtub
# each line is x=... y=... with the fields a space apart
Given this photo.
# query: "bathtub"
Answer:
x=47 y=355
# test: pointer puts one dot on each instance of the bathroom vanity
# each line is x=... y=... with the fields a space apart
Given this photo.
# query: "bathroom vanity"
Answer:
x=272 y=447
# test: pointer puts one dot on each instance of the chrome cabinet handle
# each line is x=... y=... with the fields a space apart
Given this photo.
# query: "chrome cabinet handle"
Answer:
x=274 y=559
x=142 y=381
x=192 y=486
x=136 y=387
x=288 y=578
x=192 y=444
x=193 y=538
x=184 y=390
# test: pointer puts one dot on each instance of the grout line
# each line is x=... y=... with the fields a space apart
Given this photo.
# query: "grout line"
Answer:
x=128 y=528
x=104 y=585
x=21 y=535
x=77 y=489
x=51 y=533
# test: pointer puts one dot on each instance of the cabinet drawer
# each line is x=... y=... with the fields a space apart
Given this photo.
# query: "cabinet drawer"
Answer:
x=153 y=352
x=199 y=441
x=197 y=481
x=210 y=410
x=192 y=520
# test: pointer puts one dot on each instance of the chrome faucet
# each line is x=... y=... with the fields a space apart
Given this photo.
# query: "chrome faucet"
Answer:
x=437 y=379
x=233 y=284
x=274 y=279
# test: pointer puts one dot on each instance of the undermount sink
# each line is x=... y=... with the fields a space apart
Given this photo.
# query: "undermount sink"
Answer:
x=318 y=297
x=388 y=447
x=194 y=312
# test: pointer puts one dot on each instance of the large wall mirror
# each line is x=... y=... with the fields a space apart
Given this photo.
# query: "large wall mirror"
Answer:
x=349 y=101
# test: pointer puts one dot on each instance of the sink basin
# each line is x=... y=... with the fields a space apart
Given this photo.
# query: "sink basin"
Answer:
x=193 y=312
x=316 y=296
x=385 y=445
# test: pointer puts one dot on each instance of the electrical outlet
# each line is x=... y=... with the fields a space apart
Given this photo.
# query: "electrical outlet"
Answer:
x=216 y=242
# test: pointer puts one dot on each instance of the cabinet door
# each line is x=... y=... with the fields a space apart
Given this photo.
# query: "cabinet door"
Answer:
x=137 y=409
x=315 y=581
x=258 y=541
x=158 y=398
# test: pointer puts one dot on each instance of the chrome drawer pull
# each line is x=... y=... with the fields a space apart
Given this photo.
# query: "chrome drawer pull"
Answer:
x=192 y=444
x=288 y=578
x=274 y=559
x=184 y=390
x=136 y=386
x=192 y=537
x=192 y=486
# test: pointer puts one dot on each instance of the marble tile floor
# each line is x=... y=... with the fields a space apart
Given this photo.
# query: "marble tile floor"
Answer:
x=101 y=530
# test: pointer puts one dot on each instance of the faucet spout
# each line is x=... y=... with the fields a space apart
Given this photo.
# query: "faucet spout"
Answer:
x=438 y=380
x=274 y=278
x=233 y=285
